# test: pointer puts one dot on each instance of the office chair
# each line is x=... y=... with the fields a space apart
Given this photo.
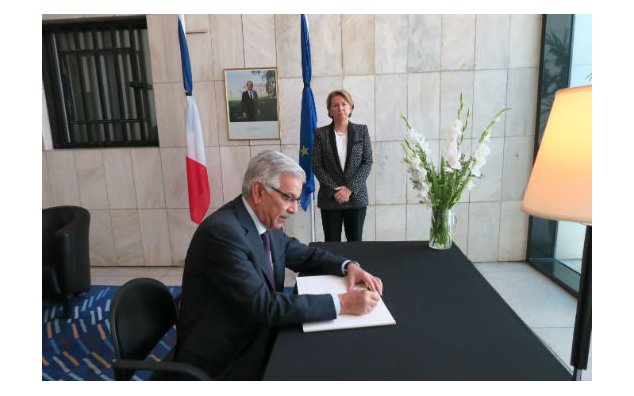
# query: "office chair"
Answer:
x=142 y=312
x=65 y=254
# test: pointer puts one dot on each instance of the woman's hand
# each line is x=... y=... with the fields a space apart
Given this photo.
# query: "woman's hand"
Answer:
x=342 y=194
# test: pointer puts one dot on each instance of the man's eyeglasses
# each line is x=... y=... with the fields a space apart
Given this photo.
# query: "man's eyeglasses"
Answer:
x=287 y=197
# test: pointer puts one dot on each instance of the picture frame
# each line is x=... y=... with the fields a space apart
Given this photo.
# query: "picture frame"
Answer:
x=252 y=103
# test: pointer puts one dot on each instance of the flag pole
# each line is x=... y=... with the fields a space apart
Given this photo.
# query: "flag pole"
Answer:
x=313 y=229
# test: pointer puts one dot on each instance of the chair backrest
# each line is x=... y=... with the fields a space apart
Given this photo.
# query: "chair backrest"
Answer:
x=66 y=248
x=142 y=311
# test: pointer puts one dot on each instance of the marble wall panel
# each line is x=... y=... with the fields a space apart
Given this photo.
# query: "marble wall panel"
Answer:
x=489 y=97
x=522 y=98
x=259 y=40
x=119 y=176
x=227 y=43
x=174 y=169
x=357 y=44
x=181 y=230
x=91 y=179
x=155 y=237
x=102 y=251
x=369 y=225
x=255 y=150
x=390 y=174
x=492 y=41
x=148 y=178
x=457 y=38
x=392 y=222
x=288 y=40
x=163 y=42
x=390 y=43
x=214 y=175
x=484 y=231
x=390 y=103
x=513 y=232
x=325 y=44
x=234 y=163
x=518 y=162
x=525 y=40
x=423 y=103
x=418 y=222
x=290 y=98
x=361 y=88
x=424 y=43
x=199 y=45
x=126 y=231
x=63 y=177
x=170 y=114
x=205 y=95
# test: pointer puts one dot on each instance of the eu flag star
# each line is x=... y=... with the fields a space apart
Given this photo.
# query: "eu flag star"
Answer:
x=304 y=151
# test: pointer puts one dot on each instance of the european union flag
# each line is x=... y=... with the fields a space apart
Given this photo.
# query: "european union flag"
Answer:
x=308 y=119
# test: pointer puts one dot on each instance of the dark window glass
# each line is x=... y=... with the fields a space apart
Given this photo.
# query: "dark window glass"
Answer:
x=98 y=84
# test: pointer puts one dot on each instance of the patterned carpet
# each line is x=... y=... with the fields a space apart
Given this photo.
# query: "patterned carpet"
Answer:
x=80 y=348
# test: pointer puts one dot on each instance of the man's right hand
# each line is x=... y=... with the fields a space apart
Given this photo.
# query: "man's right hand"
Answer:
x=358 y=302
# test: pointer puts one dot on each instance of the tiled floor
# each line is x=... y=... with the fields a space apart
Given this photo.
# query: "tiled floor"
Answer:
x=546 y=308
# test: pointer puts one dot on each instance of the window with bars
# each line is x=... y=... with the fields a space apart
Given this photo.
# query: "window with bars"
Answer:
x=98 y=84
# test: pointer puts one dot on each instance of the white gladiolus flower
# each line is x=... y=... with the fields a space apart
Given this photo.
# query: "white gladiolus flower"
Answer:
x=480 y=156
x=456 y=129
x=470 y=185
x=482 y=151
x=452 y=154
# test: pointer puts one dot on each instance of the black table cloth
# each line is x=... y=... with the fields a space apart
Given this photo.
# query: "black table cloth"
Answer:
x=450 y=325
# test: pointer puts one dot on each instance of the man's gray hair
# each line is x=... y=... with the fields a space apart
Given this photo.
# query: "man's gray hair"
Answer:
x=266 y=168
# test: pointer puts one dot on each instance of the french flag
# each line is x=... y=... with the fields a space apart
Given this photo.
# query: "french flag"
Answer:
x=197 y=182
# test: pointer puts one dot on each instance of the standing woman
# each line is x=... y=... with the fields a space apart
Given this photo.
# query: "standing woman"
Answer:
x=342 y=159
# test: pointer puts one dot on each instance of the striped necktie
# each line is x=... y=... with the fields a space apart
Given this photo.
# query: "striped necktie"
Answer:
x=267 y=252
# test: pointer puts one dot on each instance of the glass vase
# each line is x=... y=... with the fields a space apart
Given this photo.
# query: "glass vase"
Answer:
x=443 y=223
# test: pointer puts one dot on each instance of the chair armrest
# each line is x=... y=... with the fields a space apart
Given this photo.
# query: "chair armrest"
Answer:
x=174 y=367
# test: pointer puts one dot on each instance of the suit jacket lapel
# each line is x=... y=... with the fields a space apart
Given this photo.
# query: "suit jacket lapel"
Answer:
x=350 y=144
x=255 y=241
x=333 y=147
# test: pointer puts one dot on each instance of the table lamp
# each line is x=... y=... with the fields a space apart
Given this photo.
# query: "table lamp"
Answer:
x=560 y=188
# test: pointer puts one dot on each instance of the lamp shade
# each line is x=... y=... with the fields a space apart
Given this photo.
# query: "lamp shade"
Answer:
x=560 y=185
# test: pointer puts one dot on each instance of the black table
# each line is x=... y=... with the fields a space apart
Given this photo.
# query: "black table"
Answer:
x=450 y=325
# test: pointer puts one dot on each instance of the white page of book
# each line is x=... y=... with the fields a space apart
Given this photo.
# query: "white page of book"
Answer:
x=325 y=284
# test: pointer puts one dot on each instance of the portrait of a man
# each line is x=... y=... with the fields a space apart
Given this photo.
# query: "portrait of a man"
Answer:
x=252 y=103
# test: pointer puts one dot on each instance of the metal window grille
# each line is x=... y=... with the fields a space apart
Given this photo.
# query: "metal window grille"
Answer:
x=98 y=84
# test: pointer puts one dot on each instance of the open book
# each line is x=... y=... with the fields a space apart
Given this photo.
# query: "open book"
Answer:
x=322 y=284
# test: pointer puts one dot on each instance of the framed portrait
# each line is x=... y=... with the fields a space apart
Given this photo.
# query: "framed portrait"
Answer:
x=252 y=105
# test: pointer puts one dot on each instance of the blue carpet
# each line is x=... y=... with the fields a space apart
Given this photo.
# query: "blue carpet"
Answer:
x=80 y=348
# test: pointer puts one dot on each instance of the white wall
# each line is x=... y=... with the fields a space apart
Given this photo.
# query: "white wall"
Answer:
x=391 y=64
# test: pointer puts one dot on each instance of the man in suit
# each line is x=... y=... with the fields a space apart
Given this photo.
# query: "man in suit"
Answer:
x=233 y=281
x=250 y=103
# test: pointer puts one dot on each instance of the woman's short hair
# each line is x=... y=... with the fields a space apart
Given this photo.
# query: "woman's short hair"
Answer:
x=344 y=94
x=266 y=168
